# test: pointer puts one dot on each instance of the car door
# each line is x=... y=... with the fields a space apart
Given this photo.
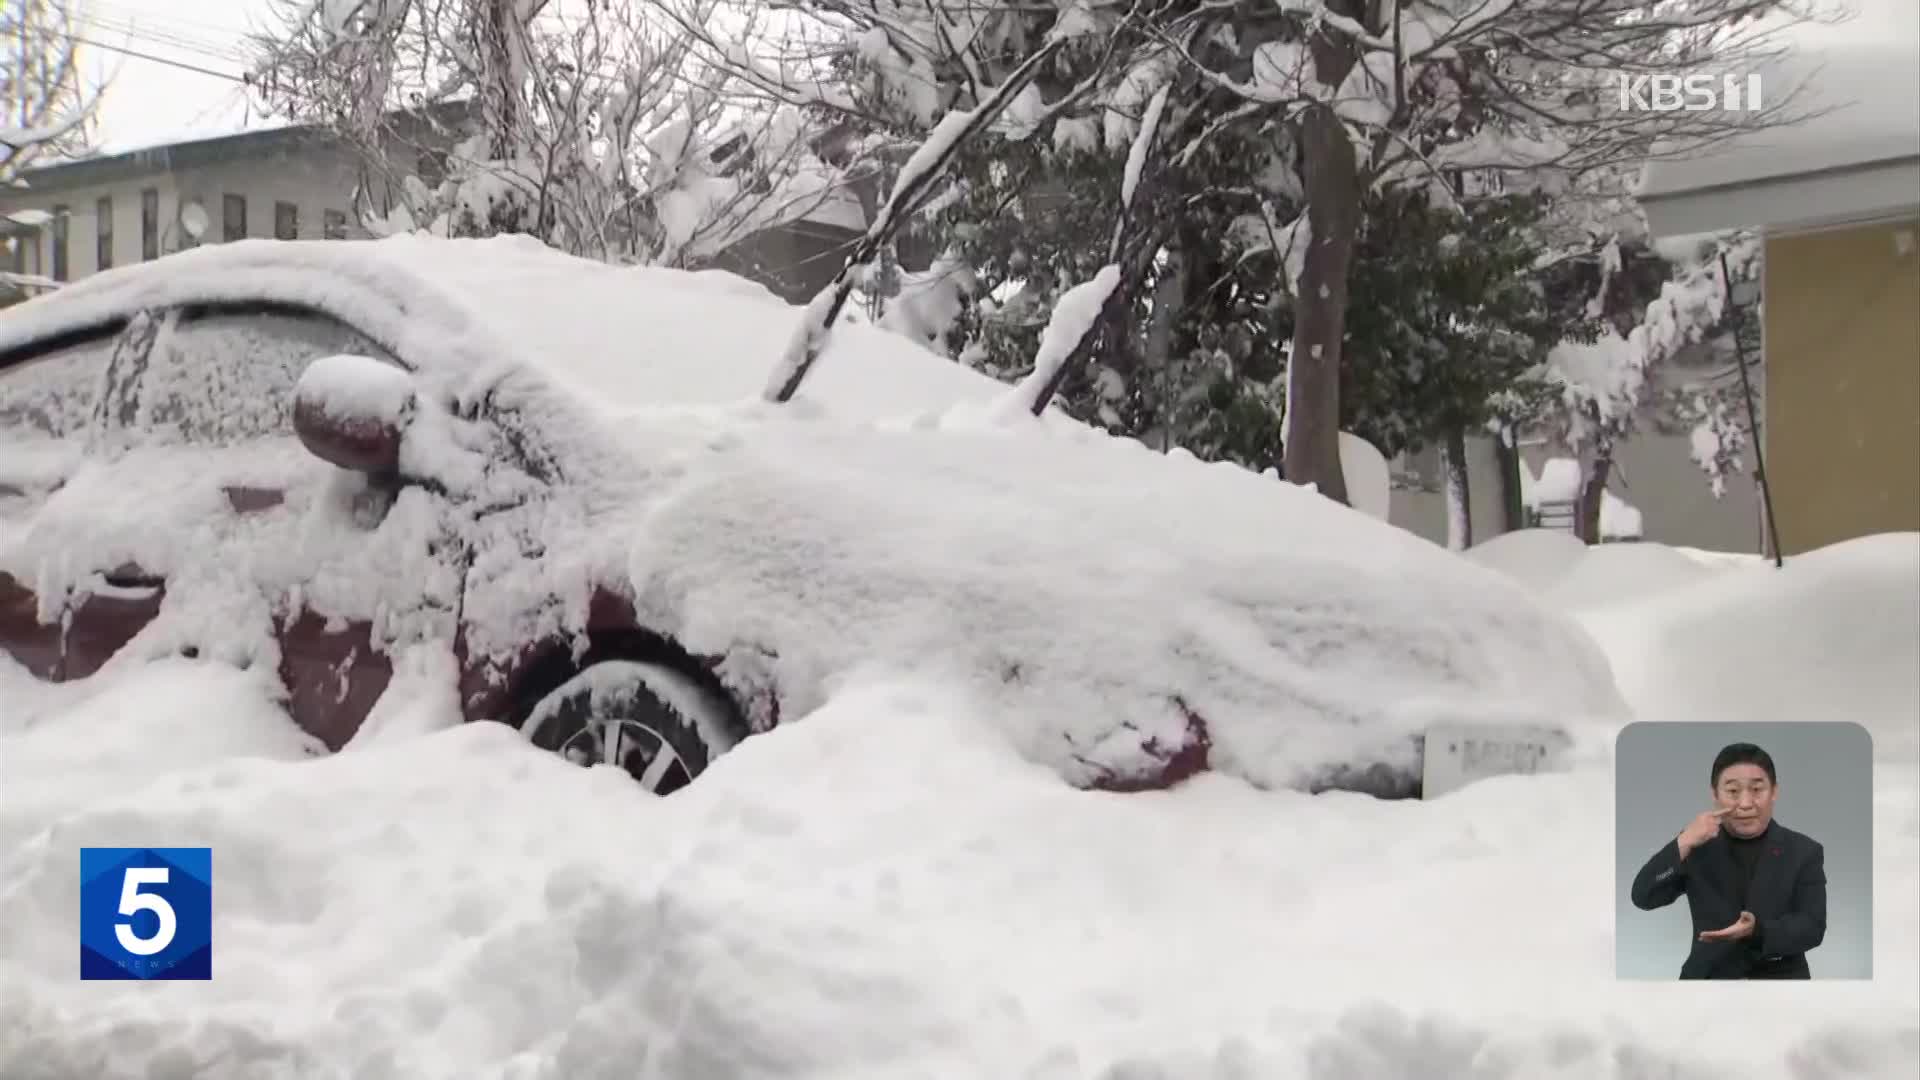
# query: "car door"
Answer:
x=52 y=394
x=110 y=595
x=341 y=568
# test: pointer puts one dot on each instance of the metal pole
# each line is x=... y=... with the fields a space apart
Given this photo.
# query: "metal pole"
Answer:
x=1753 y=417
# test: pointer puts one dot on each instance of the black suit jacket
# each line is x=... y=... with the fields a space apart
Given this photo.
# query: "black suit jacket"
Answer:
x=1788 y=898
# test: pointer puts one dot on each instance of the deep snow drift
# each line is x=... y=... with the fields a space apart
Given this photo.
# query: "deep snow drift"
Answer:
x=887 y=889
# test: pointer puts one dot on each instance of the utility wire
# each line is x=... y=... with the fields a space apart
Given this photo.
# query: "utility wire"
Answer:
x=245 y=80
x=140 y=31
x=173 y=19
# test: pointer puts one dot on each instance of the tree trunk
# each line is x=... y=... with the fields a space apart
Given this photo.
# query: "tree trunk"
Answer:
x=501 y=93
x=1593 y=487
x=1513 y=503
x=1332 y=182
x=1453 y=457
x=1156 y=363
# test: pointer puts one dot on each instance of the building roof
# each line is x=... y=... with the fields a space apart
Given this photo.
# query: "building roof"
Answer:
x=147 y=160
x=1852 y=155
x=107 y=168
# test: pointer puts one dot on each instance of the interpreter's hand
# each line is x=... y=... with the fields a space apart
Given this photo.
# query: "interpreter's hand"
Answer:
x=1701 y=829
x=1741 y=928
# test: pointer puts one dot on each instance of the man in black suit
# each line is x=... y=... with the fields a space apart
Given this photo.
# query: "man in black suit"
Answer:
x=1757 y=889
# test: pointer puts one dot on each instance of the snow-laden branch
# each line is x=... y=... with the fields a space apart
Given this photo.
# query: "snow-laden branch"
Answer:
x=1074 y=326
x=1075 y=320
x=811 y=337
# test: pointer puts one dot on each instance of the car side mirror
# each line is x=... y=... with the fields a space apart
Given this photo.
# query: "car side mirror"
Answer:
x=353 y=412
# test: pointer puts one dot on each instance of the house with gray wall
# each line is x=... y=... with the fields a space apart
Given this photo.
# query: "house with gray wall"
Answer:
x=74 y=218
x=1653 y=473
x=79 y=217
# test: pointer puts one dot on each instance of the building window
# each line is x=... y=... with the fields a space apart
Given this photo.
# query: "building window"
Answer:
x=149 y=224
x=59 y=241
x=103 y=234
x=333 y=224
x=233 y=217
x=286 y=221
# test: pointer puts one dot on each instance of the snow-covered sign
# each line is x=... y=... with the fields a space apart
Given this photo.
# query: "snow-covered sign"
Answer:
x=1459 y=754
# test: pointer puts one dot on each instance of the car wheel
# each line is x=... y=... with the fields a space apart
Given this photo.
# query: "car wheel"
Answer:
x=648 y=719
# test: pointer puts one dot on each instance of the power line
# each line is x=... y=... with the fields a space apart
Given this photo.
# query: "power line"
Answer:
x=114 y=9
x=244 y=80
x=137 y=31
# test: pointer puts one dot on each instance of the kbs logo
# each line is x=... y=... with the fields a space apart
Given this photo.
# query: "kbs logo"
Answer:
x=1689 y=93
x=146 y=913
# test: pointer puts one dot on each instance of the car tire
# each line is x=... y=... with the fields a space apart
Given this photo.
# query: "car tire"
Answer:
x=662 y=727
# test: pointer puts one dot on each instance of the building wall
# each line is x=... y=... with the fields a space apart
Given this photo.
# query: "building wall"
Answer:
x=83 y=223
x=1653 y=472
x=1419 y=502
x=313 y=180
x=1842 y=434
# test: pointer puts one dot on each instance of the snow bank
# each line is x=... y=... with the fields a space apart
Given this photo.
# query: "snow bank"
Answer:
x=160 y=717
x=1537 y=558
x=1625 y=573
x=1570 y=575
x=884 y=891
x=1832 y=635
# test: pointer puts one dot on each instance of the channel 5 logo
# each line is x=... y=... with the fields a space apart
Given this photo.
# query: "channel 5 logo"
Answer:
x=146 y=913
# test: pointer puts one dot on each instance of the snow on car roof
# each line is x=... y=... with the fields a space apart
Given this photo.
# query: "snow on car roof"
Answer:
x=620 y=336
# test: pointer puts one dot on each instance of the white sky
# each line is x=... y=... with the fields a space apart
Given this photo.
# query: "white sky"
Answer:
x=150 y=102
x=1889 y=23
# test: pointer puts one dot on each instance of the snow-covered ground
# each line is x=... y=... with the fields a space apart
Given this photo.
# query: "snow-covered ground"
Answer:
x=888 y=889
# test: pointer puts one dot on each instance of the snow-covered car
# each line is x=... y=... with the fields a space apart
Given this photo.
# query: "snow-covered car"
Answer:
x=550 y=487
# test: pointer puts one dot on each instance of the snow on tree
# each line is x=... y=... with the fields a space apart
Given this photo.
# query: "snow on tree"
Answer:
x=1603 y=386
x=1356 y=94
x=600 y=131
x=1711 y=410
x=46 y=103
x=914 y=184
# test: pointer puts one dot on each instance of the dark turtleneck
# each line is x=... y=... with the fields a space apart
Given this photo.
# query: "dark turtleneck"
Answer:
x=1746 y=852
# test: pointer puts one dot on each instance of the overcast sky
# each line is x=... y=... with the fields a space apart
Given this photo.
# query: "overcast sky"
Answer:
x=151 y=101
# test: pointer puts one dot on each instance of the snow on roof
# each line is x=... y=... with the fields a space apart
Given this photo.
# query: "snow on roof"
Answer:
x=1855 y=95
x=1862 y=103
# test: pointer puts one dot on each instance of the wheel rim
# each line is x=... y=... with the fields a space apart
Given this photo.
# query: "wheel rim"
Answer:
x=638 y=748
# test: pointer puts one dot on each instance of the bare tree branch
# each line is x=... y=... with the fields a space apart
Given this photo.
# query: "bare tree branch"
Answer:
x=46 y=107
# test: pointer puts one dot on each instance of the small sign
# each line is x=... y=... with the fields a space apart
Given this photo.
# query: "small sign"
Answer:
x=1458 y=754
x=146 y=913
